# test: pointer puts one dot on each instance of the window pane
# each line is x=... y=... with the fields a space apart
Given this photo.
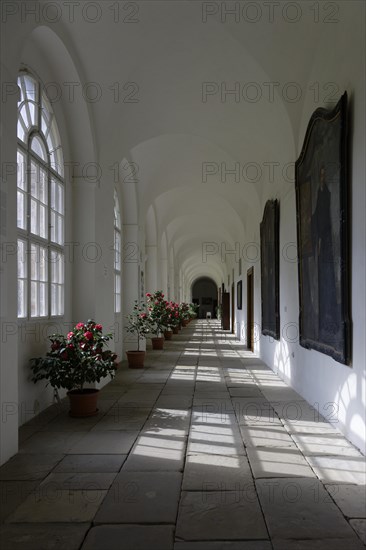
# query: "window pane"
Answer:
x=22 y=298
x=42 y=222
x=21 y=210
x=22 y=165
x=53 y=299
x=24 y=116
x=117 y=250
x=34 y=299
x=22 y=259
x=60 y=199
x=53 y=194
x=42 y=300
x=38 y=147
x=60 y=239
x=43 y=264
x=34 y=177
x=34 y=262
x=34 y=217
x=43 y=190
x=53 y=227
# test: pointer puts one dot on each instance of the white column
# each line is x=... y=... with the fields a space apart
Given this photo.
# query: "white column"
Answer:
x=151 y=268
x=163 y=276
x=8 y=276
x=131 y=283
x=171 y=283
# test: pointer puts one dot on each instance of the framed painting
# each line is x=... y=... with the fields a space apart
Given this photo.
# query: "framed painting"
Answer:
x=322 y=210
x=270 y=289
x=239 y=295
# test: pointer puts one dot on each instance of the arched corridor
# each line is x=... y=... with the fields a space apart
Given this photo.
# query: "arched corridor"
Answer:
x=205 y=447
x=206 y=154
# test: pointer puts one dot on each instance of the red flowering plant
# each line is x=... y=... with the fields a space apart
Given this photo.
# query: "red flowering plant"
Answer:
x=184 y=311
x=76 y=359
x=172 y=314
x=156 y=312
x=169 y=317
x=138 y=322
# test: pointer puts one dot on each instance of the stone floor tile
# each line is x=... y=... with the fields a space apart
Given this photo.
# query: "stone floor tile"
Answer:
x=76 y=481
x=111 y=442
x=219 y=515
x=46 y=536
x=65 y=423
x=12 y=494
x=117 y=419
x=58 y=442
x=351 y=499
x=93 y=463
x=359 y=525
x=254 y=411
x=205 y=472
x=246 y=391
x=168 y=418
x=25 y=432
x=281 y=393
x=301 y=509
x=278 y=462
x=158 y=450
x=64 y=506
x=325 y=444
x=338 y=469
x=140 y=497
x=324 y=544
x=266 y=436
x=214 y=419
x=130 y=537
x=29 y=466
x=221 y=545
x=218 y=440
x=210 y=404
x=198 y=395
x=174 y=402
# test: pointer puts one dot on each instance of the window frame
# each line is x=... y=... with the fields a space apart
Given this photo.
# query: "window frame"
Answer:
x=24 y=234
x=117 y=259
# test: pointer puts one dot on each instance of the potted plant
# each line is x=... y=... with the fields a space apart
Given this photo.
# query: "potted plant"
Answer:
x=157 y=317
x=193 y=311
x=175 y=318
x=184 y=313
x=137 y=323
x=75 y=360
x=169 y=320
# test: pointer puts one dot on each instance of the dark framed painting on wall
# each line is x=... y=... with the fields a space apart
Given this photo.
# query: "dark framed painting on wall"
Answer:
x=270 y=289
x=322 y=234
x=239 y=295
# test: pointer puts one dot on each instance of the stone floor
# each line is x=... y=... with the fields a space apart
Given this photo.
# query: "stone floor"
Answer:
x=204 y=449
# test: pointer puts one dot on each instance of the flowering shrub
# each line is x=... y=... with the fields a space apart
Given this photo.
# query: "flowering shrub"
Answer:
x=76 y=359
x=156 y=306
x=184 y=311
x=193 y=310
x=138 y=322
x=171 y=317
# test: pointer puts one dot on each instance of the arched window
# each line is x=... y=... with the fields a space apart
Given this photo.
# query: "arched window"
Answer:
x=40 y=205
x=117 y=255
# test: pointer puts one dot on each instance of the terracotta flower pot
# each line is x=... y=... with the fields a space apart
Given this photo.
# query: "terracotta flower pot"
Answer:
x=136 y=359
x=185 y=322
x=83 y=402
x=168 y=334
x=175 y=330
x=158 y=342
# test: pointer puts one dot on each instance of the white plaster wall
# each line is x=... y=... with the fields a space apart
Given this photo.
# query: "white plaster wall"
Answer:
x=318 y=378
